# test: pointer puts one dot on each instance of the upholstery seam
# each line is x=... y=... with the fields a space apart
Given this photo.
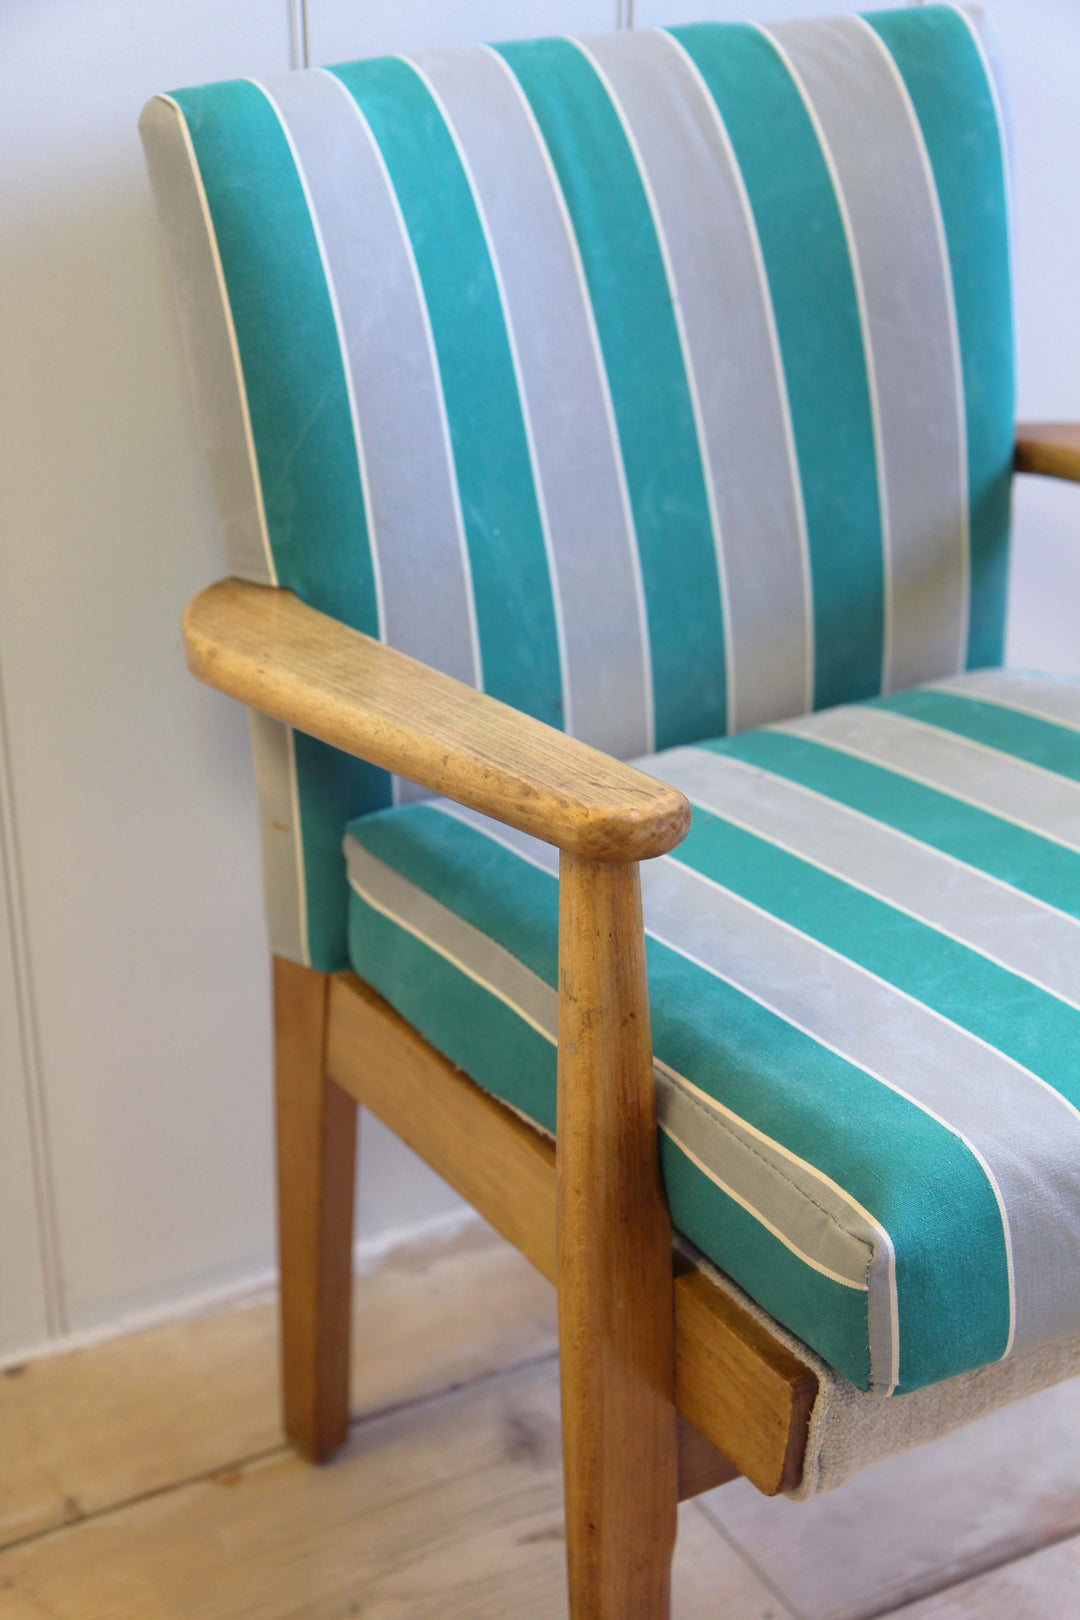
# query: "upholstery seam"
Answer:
x=806 y=1196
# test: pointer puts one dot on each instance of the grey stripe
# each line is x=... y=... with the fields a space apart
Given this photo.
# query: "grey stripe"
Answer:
x=1056 y=700
x=816 y=1217
x=453 y=938
x=533 y=850
x=808 y=1211
x=1027 y=1136
x=578 y=476
x=214 y=366
x=1022 y=934
x=279 y=836
x=887 y=189
x=1008 y=787
x=425 y=599
x=721 y=296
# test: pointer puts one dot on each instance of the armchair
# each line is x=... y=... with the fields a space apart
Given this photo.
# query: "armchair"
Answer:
x=650 y=398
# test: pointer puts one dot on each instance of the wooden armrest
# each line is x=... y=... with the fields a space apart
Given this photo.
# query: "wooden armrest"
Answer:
x=1052 y=448
x=268 y=649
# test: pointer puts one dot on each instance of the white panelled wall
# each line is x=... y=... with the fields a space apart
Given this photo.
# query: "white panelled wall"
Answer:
x=135 y=1149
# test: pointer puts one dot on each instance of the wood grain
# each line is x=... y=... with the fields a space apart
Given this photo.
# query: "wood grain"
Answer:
x=506 y=1170
x=613 y=1241
x=85 y=1430
x=1050 y=448
x=448 y=1511
x=316 y=1175
x=990 y=1492
x=268 y=649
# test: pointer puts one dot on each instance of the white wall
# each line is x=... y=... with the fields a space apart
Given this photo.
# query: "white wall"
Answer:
x=134 y=1055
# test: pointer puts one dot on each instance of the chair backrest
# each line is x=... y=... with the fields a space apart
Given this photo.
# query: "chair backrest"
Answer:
x=661 y=383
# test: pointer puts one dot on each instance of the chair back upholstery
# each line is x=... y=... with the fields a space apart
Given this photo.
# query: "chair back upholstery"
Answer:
x=660 y=383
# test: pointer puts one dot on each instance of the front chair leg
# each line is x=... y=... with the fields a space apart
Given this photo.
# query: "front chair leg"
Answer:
x=316 y=1167
x=616 y=1331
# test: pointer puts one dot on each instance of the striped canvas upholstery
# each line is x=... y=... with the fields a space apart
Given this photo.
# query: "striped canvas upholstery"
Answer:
x=864 y=973
x=659 y=383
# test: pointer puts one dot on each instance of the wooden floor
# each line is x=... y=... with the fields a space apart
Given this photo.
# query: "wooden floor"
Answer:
x=144 y=1479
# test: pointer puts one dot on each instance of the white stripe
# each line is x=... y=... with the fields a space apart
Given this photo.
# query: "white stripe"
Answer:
x=737 y=819
x=234 y=347
x=456 y=962
x=534 y=465
x=981 y=693
x=868 y=353
x=1004 y=144
x=502 y=996
x=774 y=345
x=605 y=390
x=882 y=1079
x=343 y=353
x=688 y=368
x=790 y=729
x=887 y=1246
x=494 y=831
x=954 y=341
x=762 y=1220
x=466 y=567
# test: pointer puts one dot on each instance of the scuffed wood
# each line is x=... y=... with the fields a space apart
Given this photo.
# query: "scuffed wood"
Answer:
x=742 y=1388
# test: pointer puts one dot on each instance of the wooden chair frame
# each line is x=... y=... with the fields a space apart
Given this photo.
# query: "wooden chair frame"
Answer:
x=668 y=1386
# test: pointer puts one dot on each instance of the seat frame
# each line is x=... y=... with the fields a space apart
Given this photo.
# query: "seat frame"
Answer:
x=668 y=1386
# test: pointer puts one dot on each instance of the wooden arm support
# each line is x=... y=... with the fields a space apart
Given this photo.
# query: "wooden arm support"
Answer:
x=1050 y=448
x=266 y=648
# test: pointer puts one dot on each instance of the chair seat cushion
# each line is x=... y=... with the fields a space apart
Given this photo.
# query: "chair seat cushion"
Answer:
x=864 y=972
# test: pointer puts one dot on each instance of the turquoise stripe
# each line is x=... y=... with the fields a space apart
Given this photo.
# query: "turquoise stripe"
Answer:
x=1002 y=1008
x=945 y=77
x=632 y=304
x=917 y=1178
x=1046 y=871
x=1040 y=742
x=461 y=1019
x=512 y=587
x=294 y=377
x=778 y=1280
x=479 y=880
x=289 y=351
x=817 y=318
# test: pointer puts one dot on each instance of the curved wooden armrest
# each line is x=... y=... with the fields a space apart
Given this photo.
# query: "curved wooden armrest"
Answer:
x=268 y=649
x=1051 y=448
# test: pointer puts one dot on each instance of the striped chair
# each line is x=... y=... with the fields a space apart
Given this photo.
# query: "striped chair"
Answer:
x=649 y=399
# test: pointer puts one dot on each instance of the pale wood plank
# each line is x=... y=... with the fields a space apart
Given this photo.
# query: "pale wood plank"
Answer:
x=908 y=1526
x=1050 y=448
x=267 y=648
x=744 y=1390
x=316 y=1177
x=1043 y=1586
x=614 y=1248
x=84 y=1431
x=450 y=1510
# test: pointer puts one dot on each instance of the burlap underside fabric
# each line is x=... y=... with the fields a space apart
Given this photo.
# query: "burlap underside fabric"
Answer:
x=851 y=1428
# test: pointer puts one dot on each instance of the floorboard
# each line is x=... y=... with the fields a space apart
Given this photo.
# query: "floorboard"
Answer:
x=144 y=1479
x=983 y=1496
x=84 y=1431
x=450 y=1508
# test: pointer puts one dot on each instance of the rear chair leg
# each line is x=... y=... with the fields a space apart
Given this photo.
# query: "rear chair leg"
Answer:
x=316 y=1165
x=616 y=1304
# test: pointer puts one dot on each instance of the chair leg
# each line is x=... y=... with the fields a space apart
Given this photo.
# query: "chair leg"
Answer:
x=316 y=1164
x=616 y=1316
